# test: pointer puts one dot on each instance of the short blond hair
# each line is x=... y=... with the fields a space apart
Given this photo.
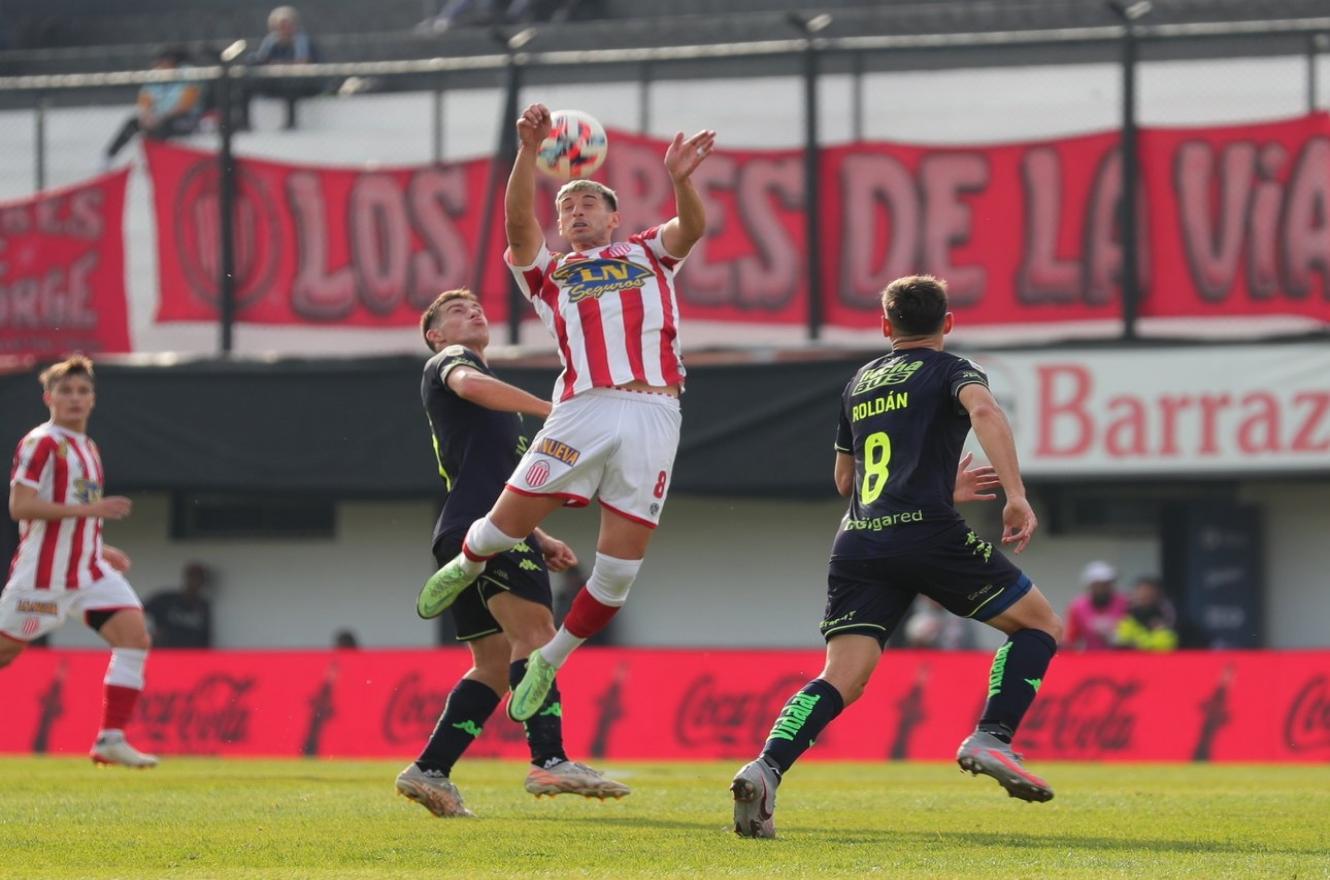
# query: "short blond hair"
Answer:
x=432 y=311
x=281 y=14
x=74 y=365
x=575 y=186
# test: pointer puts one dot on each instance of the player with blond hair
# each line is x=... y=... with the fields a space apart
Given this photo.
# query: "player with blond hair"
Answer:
x=61 y=566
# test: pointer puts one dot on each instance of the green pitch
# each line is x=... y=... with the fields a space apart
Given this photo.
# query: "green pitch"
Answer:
x=196 y=818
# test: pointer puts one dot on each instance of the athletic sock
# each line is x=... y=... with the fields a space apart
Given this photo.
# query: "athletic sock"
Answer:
x=544 y=730
x=123 y=683
x=1018 y=672
x=469 y=705
x=799 y=723
x=483 y=541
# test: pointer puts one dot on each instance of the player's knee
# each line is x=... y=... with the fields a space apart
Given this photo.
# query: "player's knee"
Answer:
x=9 y=651
x=1053 y=626
x=611 y=579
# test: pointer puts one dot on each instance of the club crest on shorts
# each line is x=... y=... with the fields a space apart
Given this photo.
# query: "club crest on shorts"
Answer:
x=30 y=626
x=537 y=474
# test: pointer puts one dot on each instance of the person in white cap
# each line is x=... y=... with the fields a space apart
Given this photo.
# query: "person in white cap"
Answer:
x=1093 y=617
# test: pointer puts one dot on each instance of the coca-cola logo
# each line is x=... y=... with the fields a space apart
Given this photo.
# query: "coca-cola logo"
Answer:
x=735 y=720
x=412 y=710
x=1307 y=724
x=1092 y=718
x=212 y=713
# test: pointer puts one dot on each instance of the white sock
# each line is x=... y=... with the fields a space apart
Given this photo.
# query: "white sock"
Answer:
x=126 y=668
x=559 y=648
x=484 y=540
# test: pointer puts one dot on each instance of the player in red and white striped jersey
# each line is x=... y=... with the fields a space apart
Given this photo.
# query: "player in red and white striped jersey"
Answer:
x=61 y=566
x=614 y=430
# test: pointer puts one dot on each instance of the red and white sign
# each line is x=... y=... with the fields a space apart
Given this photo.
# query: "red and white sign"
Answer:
x=62 y=270
x=1233 y=409
x=1234 y=225
x=685 y=704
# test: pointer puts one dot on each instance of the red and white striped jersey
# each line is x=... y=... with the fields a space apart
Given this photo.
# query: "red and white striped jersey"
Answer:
x=612 y=311
x=65 y=468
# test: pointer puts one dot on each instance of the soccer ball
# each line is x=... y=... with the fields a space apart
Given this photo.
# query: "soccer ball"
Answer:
x=576 y=146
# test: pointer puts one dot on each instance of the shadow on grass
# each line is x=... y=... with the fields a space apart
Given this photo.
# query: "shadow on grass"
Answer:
x=1060 y=841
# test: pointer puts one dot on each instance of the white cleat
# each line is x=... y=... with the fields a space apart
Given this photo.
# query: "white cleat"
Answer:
x=434 y=792
x=754 y=790
x=112 y=748
x=570 y=777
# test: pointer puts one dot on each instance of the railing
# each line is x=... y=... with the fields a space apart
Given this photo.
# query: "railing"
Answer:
x=810 y=55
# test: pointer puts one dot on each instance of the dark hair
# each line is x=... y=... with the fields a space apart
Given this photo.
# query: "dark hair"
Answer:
x=74 y=365
x=915 y=305
x=177 y=55
x=432 y=311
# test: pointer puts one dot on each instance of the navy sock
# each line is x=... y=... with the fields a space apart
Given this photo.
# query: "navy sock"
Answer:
x=1017 y=674
x=544 y=730
x=469 y=705
x=799 y=723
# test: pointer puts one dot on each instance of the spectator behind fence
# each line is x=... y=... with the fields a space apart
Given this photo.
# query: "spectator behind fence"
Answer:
x=345 y=640
x=165 y=109
x=286 y=43
x=1151 y=622
x=183 y=618
x=1093 y=617
x=504 y=12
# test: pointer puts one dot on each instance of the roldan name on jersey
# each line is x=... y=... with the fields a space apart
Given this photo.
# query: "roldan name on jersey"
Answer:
x=595 y=278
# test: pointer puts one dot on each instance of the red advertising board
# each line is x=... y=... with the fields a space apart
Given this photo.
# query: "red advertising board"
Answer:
x=62 y=270
x=685 y=704
x=1233 y=223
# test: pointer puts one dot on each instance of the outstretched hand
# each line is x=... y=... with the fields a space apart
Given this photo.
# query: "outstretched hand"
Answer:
x=534 y=125
x=975 y=483
x=683 y=156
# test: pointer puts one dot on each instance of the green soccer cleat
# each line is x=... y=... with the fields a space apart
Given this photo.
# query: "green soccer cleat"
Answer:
x=531 y=691
x=443 y=588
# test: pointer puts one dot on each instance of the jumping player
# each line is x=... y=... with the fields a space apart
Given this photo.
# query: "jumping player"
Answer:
x=615 y=427
x=476 y=421
x=61 y=566
x=904 y=418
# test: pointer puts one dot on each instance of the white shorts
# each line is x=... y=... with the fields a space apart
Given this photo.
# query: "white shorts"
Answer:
x=29 y=614
x=618 y=445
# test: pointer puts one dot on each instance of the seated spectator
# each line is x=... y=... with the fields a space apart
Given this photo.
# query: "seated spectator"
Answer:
x=1151 y=622
x=1093 y=617
x=165 y=110
x=183 y=618
x=286 y=43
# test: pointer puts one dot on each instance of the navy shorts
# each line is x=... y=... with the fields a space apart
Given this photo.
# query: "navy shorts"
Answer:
x=963 y=573
x=520 y=571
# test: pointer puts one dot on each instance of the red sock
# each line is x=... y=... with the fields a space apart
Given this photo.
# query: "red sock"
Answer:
x=118 y=706
x=588 y=616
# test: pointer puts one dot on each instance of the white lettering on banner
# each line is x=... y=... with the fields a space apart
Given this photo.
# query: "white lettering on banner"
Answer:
x=1228 y=409
x=57 y=299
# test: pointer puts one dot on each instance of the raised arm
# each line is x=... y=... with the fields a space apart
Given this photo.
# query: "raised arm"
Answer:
x=681 y=160
x=524 y=233
x=476 y=387
x=994 y=433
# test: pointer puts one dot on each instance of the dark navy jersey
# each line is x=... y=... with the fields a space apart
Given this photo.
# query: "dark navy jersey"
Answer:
x=902 y=421
x=477 y=448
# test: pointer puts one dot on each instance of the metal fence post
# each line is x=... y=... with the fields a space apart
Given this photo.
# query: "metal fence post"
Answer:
x=1129 y=145
x=39 y=138
x=809 y=26
x=503 y=156
x=436 y=123
x=226 y=280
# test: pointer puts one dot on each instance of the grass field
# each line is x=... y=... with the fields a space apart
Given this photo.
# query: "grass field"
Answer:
x=196 y=818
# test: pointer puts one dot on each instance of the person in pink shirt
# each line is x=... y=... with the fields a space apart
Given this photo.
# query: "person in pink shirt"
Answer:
x=1092 y=618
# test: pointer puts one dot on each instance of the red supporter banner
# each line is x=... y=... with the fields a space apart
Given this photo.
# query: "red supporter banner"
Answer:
x=1234 y=222
x=62 y=270
x=685 y=704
